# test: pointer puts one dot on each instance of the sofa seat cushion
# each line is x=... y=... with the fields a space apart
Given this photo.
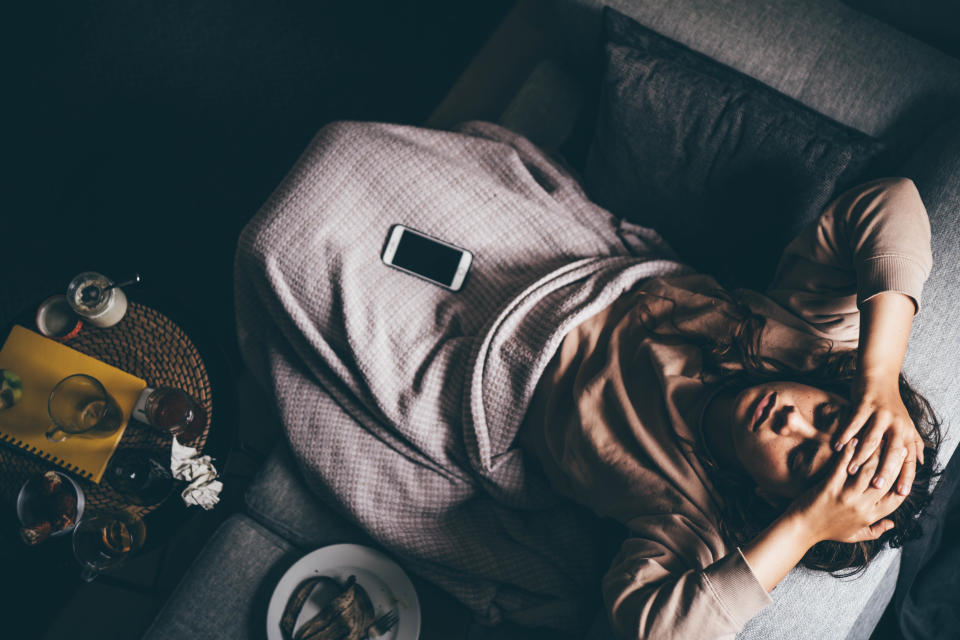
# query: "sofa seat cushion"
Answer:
x=225 y=593
x=279 y=499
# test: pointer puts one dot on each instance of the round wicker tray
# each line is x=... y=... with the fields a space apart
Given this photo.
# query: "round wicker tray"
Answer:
x=150 y=346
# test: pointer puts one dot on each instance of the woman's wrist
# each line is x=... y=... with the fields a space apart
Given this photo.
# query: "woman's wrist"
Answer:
x=877 y=382
x=803 y=529
x=779 y=548
x=885 y=322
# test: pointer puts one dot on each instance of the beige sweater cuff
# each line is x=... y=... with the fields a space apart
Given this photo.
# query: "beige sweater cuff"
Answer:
x=890 y=273
x=736 y=588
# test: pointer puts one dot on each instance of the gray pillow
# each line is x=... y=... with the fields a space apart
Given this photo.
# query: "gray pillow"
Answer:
x=727 y=169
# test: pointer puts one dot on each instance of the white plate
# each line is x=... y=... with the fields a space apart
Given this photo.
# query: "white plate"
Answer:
x=383 y=580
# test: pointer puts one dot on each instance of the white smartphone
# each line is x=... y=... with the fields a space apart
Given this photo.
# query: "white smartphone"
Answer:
x=426 y=257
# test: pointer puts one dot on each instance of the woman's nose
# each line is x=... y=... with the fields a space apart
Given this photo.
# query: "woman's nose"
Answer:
x=790 y=421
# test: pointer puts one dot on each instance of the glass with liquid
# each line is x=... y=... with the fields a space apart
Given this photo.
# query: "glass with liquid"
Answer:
x=80 y=406
x=105 y=540
x=171 y=411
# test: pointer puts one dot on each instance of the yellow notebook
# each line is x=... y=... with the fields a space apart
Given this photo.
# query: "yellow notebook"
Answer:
x=41 y=363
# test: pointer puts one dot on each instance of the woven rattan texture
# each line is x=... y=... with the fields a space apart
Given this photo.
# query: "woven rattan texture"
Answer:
x=151 y=346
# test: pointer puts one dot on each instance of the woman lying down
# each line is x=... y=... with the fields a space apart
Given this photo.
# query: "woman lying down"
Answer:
x=584 y=374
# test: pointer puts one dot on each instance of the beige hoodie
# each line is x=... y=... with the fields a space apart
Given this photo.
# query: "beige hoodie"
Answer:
x=609 y=412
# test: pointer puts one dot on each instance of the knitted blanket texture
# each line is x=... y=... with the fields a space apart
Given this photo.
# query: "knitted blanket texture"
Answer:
x=401 y=400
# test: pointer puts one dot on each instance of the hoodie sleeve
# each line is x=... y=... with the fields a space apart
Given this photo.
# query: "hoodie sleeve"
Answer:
x=873 y=238
x=652 y=591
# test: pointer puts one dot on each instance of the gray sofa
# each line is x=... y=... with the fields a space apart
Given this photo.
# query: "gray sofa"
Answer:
x=535 y=75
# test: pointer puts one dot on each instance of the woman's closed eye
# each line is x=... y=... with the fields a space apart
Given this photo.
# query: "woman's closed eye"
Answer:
x=827 y=414
x=800 y=459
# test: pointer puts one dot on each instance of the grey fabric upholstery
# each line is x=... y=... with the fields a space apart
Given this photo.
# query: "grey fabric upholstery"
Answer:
x=836 y=60
x=805 y=603
x=871 y=613
x=226 y=591
x=934 y=349
x=280 y=500
x=546 y=107
x=712 y=158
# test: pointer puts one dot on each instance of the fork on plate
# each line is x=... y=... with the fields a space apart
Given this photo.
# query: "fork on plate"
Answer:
x=383 y=624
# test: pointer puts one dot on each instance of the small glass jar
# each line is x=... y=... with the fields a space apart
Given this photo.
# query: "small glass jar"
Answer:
x=90 y=299
x=171 y=411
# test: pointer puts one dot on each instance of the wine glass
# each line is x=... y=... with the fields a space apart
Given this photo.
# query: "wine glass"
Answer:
x=105 y=540
x=140 y=476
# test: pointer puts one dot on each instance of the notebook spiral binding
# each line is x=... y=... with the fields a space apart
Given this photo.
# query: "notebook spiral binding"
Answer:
x=31 y=449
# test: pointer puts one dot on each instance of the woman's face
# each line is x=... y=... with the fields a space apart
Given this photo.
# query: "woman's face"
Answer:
x=783 y=434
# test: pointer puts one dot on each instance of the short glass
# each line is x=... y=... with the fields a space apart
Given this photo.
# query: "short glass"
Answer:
x=171 y=411
x=80 y=406
x=105 y=540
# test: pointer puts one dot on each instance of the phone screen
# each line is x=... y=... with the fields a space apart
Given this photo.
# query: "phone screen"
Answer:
x=426 y=257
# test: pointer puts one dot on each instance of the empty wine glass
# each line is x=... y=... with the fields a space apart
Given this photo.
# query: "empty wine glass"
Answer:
x=142 y=477
x=102 y=541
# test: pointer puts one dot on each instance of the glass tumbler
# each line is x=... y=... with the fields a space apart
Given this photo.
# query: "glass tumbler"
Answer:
x=105 y=540
x=80 y=406
x=171 y=411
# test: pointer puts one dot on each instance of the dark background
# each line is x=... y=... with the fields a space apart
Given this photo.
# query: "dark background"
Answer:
x=144 y=134
x=140 y=136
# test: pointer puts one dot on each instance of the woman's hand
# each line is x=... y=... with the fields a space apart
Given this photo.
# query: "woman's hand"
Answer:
x=878 y=412
x=847 y=507
x=879 y=417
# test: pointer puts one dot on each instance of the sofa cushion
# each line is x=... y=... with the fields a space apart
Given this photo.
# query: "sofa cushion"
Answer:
x=227 y=589
x=934 y=346
x=833 y=58
x=279 y=499
x=725 y=168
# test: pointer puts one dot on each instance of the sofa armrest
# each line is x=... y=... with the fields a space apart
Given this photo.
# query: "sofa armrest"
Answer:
x=546 y=107
x=500 y=68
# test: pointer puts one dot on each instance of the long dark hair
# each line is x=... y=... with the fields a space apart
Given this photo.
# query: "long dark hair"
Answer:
x=734 y=361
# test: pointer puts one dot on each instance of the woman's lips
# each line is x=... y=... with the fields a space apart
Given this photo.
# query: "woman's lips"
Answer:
x=763 y=410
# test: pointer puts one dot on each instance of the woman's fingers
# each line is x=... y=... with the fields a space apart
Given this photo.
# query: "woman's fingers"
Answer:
x=877 y=529
x=905 y=479
x=894 y=459
x=889 y=502
x=869 y=441
x=871 y=531
x=861 y=480
x=853 y=427
x=838 y=474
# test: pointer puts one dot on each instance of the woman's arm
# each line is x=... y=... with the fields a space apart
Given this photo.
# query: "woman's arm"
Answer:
x=879 y=415
x=856 y=276
x=652 y=592
x=872 y=239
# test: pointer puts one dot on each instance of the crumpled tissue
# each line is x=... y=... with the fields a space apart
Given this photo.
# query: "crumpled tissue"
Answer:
x=185 y=464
